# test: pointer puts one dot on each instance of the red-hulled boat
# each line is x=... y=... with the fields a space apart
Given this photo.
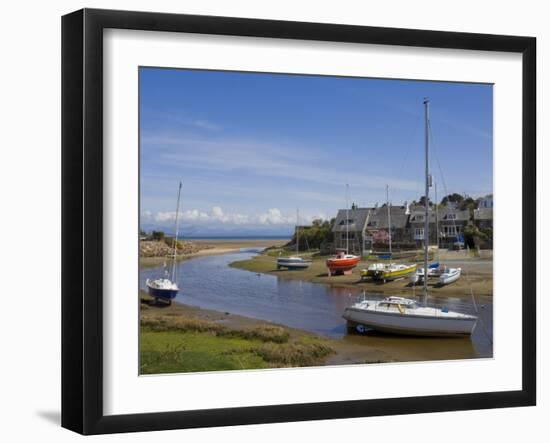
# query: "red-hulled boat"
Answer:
x=342 y=263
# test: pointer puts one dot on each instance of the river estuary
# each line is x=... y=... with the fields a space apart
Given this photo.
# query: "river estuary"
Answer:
x=209 y=282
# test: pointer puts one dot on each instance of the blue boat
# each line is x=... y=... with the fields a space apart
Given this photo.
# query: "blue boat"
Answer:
x=162 y=288
x=166 y=289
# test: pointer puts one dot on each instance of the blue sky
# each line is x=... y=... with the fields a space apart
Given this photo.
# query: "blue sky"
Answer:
x=251 y=148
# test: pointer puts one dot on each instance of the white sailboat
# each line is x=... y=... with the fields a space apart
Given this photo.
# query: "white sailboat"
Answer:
x=406 y=316
x=294 y=262
x=449 y=275
x=167 y=288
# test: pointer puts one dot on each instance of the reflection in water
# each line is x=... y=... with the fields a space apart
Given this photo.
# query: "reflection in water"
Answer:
x=208 y=282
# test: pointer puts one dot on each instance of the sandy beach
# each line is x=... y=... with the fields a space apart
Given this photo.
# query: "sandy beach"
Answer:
x=215 y=247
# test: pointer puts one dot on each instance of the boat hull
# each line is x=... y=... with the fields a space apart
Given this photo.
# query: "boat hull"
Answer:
x=448 y=278
x=396 y=323
x=342 y=264
x=393 y=275
x=292 y=264
x=165 y=294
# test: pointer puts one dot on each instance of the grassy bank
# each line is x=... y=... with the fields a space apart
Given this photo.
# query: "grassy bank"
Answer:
x=181 y=338
x=477 y=275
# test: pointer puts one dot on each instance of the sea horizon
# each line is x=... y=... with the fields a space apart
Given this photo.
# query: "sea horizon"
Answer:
x=238 y=237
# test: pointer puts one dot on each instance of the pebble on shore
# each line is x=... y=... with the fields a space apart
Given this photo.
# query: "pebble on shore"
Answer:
x=152 y=248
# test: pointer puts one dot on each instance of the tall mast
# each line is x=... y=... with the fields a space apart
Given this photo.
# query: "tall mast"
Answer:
x=436 y=216
x=426 y=195
x=347 y=219
x=389 y=214
x=176 y=237
x=297 y=231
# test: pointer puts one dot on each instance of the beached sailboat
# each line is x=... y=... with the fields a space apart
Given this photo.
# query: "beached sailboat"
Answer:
x=166 y=289
x=393 y=271
x=434 y=271
x=400 y=315
x=294 y=262
x=343 y=262
x=450 y=275
x=406 y=316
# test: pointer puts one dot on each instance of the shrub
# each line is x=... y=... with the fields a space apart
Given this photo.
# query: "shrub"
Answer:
x=157 y=235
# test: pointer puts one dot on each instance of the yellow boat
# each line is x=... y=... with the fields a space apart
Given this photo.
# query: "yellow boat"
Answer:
x=373 y=269
x=388 y=272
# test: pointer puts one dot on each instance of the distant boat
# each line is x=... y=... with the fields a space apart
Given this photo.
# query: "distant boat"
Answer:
x=405 y=316
x=343 y=262
x=295 y=262
x=166 y=289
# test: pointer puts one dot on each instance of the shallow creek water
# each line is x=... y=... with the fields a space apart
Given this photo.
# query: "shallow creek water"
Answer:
x=209 y=282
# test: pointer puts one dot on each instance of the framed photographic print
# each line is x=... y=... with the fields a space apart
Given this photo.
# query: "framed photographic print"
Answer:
x=269 y=221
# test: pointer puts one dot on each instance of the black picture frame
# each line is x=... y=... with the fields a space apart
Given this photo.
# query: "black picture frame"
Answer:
x=82 y=218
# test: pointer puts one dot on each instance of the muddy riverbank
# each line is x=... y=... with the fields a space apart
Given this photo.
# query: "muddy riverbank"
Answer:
x=477 y=276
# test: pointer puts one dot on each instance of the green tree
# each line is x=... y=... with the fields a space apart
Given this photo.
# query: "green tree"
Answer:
x=312 y=237
x=157 y=235
x=453 y=198
x=421 y=201
x=468 y=203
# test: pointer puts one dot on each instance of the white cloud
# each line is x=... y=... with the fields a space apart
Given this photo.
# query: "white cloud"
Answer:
x=271 y=217
x=217 y=216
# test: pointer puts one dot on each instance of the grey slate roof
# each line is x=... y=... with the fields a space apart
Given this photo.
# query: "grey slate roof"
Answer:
x=417 y=214
x=379 y=217
x=356 y=217
x=483 y=214
x=371 y=218
x=460 y=215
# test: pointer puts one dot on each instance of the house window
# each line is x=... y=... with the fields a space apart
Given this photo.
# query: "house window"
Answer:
x=450 y=231
x=348 y=221
x=451 y=217
x=419 y=233
x=419 y=218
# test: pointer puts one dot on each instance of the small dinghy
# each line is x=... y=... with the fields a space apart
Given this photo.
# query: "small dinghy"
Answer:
x=450 y=275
